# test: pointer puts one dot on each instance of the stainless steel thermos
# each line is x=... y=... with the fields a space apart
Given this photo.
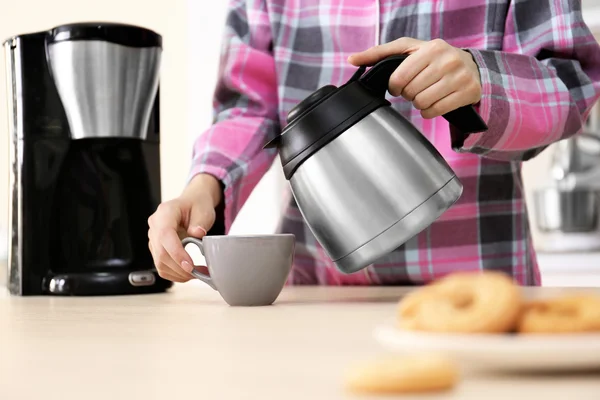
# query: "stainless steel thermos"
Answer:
x=364 y=178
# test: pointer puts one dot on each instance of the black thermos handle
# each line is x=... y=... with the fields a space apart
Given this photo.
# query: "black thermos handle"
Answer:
x=465 y=118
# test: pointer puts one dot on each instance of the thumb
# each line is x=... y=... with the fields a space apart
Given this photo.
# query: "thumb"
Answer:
x=377 y=53
x=201 y=220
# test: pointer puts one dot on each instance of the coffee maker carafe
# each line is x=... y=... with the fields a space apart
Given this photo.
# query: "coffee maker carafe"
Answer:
x=84 y=159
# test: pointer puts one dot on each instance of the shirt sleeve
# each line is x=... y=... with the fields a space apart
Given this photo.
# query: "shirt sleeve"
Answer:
x=244 y=106
x=540 y=87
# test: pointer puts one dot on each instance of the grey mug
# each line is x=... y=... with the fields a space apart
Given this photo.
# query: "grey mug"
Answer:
x=248 y=270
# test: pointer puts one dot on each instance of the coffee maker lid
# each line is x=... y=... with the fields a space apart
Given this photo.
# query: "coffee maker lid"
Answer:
x=123 y=34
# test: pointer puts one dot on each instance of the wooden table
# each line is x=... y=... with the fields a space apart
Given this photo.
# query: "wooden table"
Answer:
x=188 y=344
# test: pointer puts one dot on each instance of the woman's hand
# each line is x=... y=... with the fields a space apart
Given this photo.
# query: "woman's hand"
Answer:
x=191 y=214
x=437 y=77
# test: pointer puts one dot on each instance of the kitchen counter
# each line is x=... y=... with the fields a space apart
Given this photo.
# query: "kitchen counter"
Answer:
x=188 y=343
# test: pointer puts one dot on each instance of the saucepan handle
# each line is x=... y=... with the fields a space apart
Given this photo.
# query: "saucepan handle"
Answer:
x=465 y=118
x=199 y=275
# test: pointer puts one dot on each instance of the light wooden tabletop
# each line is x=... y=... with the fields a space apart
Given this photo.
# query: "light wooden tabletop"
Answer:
x=188 y=344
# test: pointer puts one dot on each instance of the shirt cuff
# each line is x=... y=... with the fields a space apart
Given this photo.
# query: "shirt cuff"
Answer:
x=464 y=143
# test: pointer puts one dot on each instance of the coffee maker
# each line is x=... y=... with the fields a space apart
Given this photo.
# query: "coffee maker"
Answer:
x=84 y=159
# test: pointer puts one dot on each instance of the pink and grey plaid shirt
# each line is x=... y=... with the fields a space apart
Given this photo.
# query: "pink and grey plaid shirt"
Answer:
x=540 y=72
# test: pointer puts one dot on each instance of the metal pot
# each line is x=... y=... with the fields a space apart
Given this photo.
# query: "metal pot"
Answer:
x=364 y=178
x=568 y=211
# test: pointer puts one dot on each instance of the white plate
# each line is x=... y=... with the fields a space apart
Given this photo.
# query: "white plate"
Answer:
x=508 y=353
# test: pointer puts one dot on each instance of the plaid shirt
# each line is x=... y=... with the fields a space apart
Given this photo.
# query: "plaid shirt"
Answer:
x=540 y=73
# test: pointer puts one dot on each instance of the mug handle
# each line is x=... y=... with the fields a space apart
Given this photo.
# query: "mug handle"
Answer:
x=199 y=275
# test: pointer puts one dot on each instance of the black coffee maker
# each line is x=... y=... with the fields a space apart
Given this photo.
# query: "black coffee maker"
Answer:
x=84 y=159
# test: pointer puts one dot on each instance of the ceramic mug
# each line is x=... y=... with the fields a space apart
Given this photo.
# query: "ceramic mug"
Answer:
x=246 y=270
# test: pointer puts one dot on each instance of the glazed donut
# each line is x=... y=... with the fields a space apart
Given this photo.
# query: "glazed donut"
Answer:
x=414 y=374
x=574 y=313
x=463 y=302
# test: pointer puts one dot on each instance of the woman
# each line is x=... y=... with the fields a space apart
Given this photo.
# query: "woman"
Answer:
x=531 y=68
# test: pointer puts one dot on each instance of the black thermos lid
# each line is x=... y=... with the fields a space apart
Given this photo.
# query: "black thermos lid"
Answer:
x=321 y=117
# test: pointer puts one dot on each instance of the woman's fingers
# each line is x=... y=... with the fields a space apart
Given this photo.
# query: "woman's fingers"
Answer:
x=169 y=239
x=432 y=94
x=167 y=249
x=168 y=274
x=417 y=85
x=375 y=54
x=167 y=268
x=443 y=106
